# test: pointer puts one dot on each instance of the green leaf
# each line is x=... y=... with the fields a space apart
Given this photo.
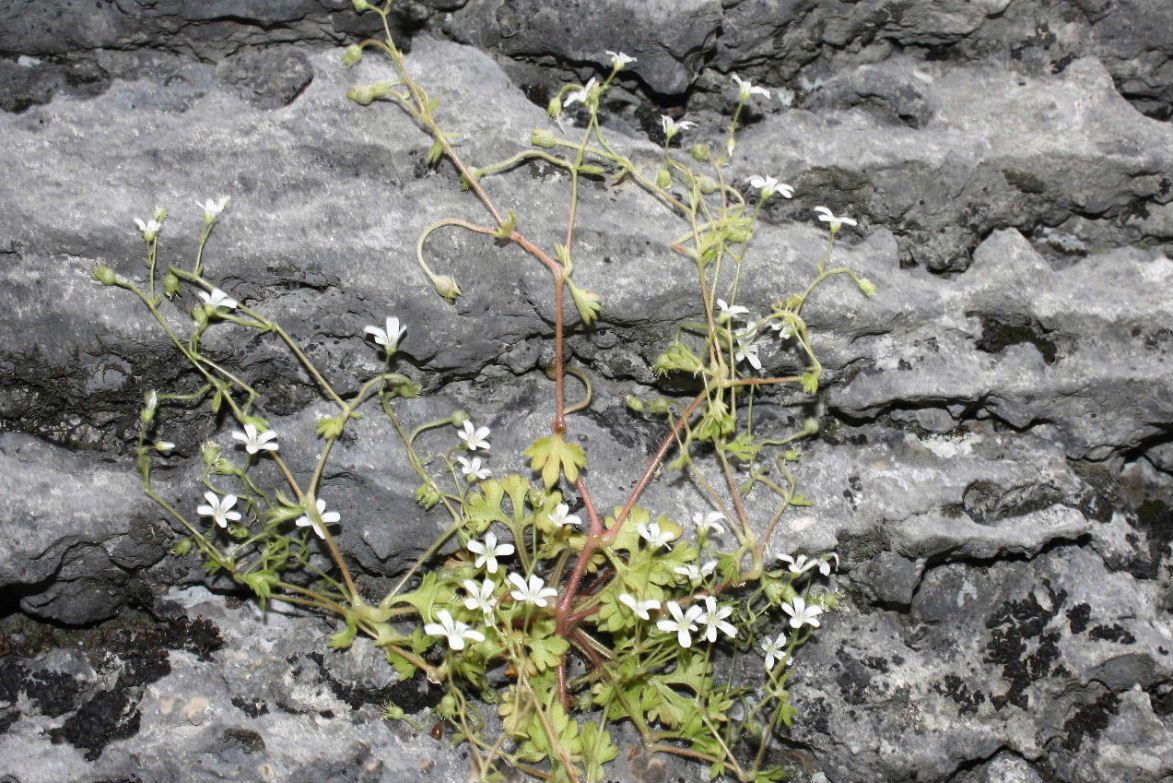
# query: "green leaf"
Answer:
x=404 y=667
x=483 y=508
x=332 y=427
x=344 y=638
x=597 y=750
x=717 y=422
x=506 y=229
x=744 y=447
x=800 y=500
x=587 y=303
x=547 y=653
x=551 y=456
x=435 y=152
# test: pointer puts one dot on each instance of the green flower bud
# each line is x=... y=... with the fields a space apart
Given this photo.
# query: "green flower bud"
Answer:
x=352 y=55
x=210 y=451
x=700 y=152
x=105 y=275
x=810 y=426
x=394 y=712
x=446 y=287
x=427 y=496
x=365 y=94
x=184 y=547
x=554 y=108
x=543 y=138
x=664 y=178
x=226 y=467
x=160 y=214
x=361 y=5
x=458 y=418
x=592 y=171
x=170 y=285
x=867 y=286
x=707 y=184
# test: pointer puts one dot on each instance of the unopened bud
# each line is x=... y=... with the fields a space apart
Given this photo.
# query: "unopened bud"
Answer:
x=427 y=496
x=361 y=5
x=543 y=138
x=105 y=275
x=707 y=184
x=446 y=287
x=700 y=152
x=210 y=451
x=867 y=286
x=664 y=178
x=351 y=55
x=170 y=285
x=554 y=108
x=458 y=418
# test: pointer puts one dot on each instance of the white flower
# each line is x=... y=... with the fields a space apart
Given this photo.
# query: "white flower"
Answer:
x=775 y=650
x=799 y=565
x=488 y=552
x=769 y=186
x=581 y=95
x=219 y=509
x=619 y=59
x=455 y=630
x=747 y=351
x=480 y=596
x=474 y=437
x=535 y=592
x=213 y=208
x=164 y=446
x=785 y=329
x=639 y=607
x=693 y=573
x=472 y=469
x=150 y=228
x=682 y=623
x=672 y=127
x=708 y=523
x=256 y=441
x=713 y=620
x=837 y=222
x=327 y=517
x=656 y=538
x=152 y=401
x=730 y=312
x=746 y=90
x=825 y=564
x=389 y=337
x=801 y=614
x=218 y=298
x=561 y=517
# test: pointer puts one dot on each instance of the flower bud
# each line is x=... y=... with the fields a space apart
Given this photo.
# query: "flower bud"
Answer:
x=543 y=138
x=707 y=184
x=184 y=546
x=352 y=55
x=458 y=418
x=394 y=712
x=700 y=152
x=210 y=451
x=105 y=275
x=554 y=108
x=427 y=496
x=446 y=287
x=159 y=214
x=361 y=5
x=170 y=285
x=867 y=286
x=164 y=446
x=664 y=178
x=592 y=171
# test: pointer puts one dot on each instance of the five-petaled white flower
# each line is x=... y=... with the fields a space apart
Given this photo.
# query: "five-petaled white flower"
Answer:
x=619 y=59
x=651 y=532
x=801 y=614
x=799 y=565
x=693 y=573
x=837 y=221
x=681 y=623
x=472 y=468
x=713 y=620
x=474 y=437
x=256 y=441
x=389 y=337
x=213 y=207
x=746 y=90
x=219 y=509
x=327 y=517
x=488 y=551
x=730 y=312
x=747 y=351
x=217 y=298
x=775 y=650
x=561 y=516
x=454 y=630
x=708 y=523
x=639 y=607
x=583 y=94
x=769 y=186
x=672 y=127
x=480 y=596
x=534 y=592
x=150 y=228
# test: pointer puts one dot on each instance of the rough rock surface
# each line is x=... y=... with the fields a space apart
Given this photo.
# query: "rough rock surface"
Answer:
x=995 y=467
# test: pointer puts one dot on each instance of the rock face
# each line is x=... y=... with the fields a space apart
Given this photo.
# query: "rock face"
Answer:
x=995 y=467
